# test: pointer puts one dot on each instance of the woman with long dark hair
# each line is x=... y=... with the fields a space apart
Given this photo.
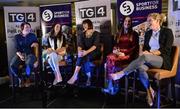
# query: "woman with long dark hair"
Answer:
x=124 y=51
x=55 y=45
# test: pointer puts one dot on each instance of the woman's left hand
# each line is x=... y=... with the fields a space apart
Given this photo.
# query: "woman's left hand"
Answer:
x=82 y=53
x=155 y=52
x=61 y=51
x=123 y=57
x=146 y=52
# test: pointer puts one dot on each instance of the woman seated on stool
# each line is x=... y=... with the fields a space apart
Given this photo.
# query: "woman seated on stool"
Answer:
x=55 y=48
x=156 y=54
x=88 y=49
x=124 y=51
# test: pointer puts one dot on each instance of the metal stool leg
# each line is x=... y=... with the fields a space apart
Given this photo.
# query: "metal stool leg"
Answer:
x=126 y=90
x=134 y=85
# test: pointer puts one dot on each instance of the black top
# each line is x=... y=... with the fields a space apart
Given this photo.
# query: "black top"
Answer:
x=86 y=43
x=166 y=39
x=47 y=38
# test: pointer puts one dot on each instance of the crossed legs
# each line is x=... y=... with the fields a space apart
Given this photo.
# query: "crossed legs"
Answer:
x=140 y=64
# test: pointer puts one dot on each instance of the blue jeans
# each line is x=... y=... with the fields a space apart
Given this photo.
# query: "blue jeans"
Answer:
x=86 y=63
x=16 y=61
x=53 y=61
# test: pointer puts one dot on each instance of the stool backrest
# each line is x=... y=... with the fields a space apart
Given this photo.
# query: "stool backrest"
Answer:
x=175 y=59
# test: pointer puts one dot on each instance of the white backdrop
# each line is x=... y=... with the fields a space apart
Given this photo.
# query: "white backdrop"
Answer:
x=174 y=19
x=98 y=11
x=174 y=24
x=14 y=16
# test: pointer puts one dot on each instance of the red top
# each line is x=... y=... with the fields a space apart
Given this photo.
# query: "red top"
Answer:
x=127 y=45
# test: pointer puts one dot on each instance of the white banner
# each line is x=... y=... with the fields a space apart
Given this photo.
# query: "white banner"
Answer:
x=174 y=19
x=98 y=11
x=14 y=16
x=174 y=24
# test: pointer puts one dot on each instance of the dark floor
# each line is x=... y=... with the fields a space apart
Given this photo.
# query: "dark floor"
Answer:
x=69 y=97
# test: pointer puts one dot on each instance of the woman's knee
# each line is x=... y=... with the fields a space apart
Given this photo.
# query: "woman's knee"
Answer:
x=53 y=55
x=79 y=61
x=142 y=57
x=143 y=68
x=146 y=57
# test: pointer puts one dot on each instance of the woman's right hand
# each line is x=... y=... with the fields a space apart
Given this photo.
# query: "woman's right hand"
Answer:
x=49 y=50
x=81 y=53
x=117 y=52
x=121 y=54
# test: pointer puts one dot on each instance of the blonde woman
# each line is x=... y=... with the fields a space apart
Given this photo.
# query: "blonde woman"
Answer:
x=156 y=54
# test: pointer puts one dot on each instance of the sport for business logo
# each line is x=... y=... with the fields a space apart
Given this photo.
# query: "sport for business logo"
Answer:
x=126 y=8
x=47 y=15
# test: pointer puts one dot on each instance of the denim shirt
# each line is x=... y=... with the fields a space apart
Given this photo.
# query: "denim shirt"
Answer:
x=23 y=44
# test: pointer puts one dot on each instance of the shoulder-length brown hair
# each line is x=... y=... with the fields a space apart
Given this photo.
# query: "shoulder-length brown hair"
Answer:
x=89 y=22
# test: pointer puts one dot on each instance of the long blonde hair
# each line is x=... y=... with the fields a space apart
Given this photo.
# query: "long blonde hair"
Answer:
x=157 y=16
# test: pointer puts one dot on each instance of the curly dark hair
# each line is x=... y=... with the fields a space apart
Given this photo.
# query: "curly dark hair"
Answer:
x=24 y=23
x=89 y=22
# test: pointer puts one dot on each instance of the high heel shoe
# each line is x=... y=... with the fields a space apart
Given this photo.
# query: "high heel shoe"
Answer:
x=117 y=75
x=72 y=80
x=88 y=82
x=111 y=91
x=55 y=82
x=150 y=99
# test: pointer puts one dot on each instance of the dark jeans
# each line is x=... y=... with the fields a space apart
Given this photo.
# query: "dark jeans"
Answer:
x=86 y=61
x=16 y=61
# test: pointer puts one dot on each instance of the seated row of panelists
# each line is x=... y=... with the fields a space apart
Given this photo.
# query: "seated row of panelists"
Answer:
x=156 y=50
